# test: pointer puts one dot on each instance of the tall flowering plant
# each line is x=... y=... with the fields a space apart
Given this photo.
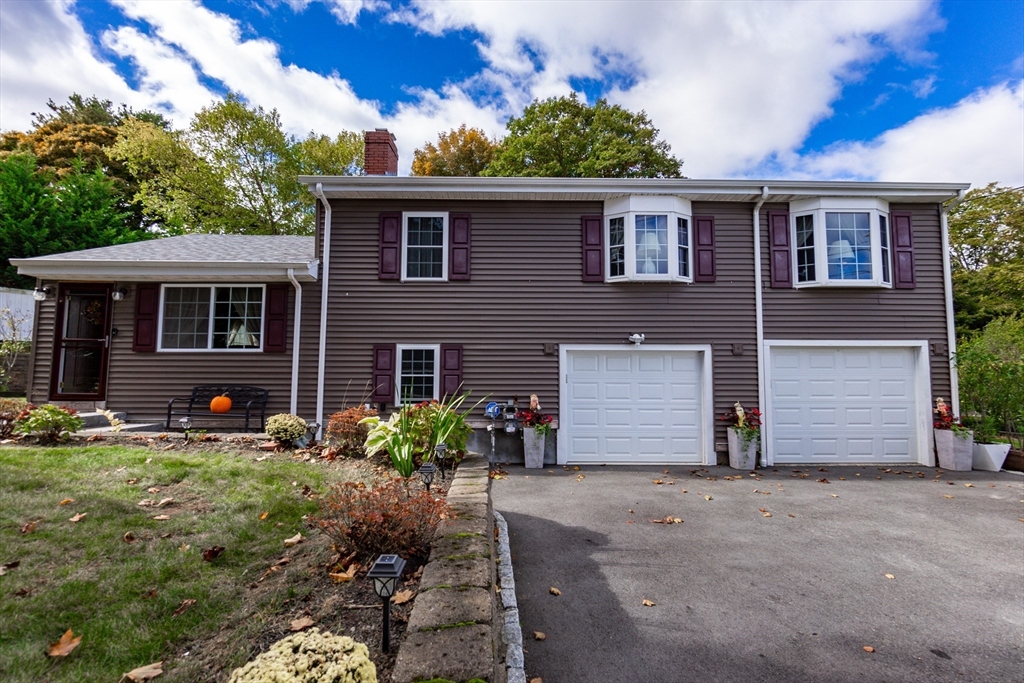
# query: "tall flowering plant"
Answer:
x=748 y=424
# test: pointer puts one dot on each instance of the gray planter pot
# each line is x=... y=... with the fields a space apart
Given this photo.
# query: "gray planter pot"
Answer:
x=741 y=456
x=955 y=452
x=533 y=447
x=990 y=456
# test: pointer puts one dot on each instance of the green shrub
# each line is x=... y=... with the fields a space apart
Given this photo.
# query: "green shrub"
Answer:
x=310 y=657
x=10 y=409
x=388 y=518
x=286 y=428
x=346 y=433
x=49 y=422
x=991 y=369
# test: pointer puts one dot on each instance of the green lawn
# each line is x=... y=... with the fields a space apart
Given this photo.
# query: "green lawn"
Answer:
x=120 y=596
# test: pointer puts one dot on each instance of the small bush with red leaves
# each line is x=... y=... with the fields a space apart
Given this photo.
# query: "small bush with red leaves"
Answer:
x=345 y=435
x=390 y=518
x=10 y=410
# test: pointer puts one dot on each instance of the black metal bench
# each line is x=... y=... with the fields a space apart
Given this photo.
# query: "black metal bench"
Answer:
x=245 y=402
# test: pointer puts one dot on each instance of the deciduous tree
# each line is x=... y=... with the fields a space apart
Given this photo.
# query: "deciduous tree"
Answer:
x=459 y=152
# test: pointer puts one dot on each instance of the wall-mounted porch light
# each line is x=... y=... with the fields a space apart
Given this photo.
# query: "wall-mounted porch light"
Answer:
x=119 y=294
x=42 y=293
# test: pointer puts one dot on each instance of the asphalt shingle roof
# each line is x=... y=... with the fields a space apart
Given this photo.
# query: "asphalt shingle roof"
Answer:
x=200 y=248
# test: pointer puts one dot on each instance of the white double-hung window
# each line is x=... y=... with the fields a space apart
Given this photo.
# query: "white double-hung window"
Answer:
x=648 y=238
x=425 y=246
x=211 y=317
x=842 y=242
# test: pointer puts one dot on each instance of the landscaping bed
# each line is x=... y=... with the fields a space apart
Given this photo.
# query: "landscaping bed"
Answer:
x=125 y=579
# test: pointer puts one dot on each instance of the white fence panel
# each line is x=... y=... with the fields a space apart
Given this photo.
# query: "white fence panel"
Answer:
x=22 y=306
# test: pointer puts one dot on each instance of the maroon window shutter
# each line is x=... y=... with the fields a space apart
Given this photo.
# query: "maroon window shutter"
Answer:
x=384 y=368
x=593 y=248
x=459 y=246
x=389 y=267
x=778 y=239
x=451 y=369
x=275 y=319
x=147 y=308
x=903 y=251
x=704 y=241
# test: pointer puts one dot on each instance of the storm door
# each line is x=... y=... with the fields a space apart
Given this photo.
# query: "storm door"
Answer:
x=82 y=343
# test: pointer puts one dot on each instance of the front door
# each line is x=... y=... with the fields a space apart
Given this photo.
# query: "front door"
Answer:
x=82 y=342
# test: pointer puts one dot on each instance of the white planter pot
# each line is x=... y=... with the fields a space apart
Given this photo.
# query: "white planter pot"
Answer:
x=533 y=447
x=955 y=452
x=990 y=456
x=741 y=456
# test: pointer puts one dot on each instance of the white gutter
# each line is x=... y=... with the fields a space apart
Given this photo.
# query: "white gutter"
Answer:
x=297 y=328
x=947 y=282
x=318 y=192
x=758 y=286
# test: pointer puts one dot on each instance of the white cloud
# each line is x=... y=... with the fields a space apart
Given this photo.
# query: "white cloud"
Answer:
x=978 y=140
x=346 y=11
x=45 y=54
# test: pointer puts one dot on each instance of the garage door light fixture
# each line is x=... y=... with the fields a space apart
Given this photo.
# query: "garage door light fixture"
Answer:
x=636 y=339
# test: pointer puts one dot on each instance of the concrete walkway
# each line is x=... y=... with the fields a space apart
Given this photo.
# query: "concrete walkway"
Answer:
x=741 y=596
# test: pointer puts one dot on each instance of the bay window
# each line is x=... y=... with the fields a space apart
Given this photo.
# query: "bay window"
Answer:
x=648 y=239
x=841 y=242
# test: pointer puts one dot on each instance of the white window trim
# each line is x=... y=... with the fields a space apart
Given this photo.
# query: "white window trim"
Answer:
x=406 y=215
x=209 y=331
x=818 y=208
x=436 y=348
x=629 y=223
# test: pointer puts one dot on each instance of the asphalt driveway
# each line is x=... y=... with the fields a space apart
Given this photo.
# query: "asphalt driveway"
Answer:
x=926 y=570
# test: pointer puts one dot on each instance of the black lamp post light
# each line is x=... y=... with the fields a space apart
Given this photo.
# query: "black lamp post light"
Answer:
x=439 y=453
x=427 y=471
x=385 y=572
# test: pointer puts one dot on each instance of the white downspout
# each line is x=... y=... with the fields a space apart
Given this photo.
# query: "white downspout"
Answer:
x=947 y=282
x=297 y=327
x=322 y=351
x=759 y=315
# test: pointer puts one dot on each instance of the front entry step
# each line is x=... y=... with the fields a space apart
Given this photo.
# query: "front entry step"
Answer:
x=94 y=419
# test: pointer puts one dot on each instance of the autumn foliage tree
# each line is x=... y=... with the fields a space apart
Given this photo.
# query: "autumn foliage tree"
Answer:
x=459 y=152
x=563 y=137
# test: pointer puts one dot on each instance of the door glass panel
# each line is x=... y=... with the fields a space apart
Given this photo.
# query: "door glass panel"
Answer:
x=80 y=368
x=84 y=316
x=83 y=343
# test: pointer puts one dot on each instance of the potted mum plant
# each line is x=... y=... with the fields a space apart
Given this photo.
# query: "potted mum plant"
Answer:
x=744 y=436
x=954 y=443
x=536 y=427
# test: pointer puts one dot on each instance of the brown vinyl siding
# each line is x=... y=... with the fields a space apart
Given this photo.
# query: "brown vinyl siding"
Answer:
x=527 y=290
x=868 y=313
x=42 y=348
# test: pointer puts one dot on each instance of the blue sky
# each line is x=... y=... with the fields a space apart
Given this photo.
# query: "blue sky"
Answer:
x=892 y=90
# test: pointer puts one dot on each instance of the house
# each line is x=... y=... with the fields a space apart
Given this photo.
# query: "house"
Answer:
x=828 y=304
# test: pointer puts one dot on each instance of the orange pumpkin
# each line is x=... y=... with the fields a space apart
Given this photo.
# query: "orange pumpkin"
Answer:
x=220 y=404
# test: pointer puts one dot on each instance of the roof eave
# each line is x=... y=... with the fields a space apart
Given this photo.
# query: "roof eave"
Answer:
x=164 y=271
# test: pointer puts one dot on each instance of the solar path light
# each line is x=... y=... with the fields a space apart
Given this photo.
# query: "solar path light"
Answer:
x=427 y=471
x=385 y=572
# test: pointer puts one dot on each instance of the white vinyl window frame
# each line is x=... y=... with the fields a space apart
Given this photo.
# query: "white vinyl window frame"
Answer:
x=399 y=349
x=406 y=215
x=626 y=210
x=213 y=287
x=817 y=211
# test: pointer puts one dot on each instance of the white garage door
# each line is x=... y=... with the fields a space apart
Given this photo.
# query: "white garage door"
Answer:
x=633 y=406
x=843 y=405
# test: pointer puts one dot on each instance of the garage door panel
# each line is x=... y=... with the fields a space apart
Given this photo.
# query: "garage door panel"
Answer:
x=858 y=407
x=636 y=406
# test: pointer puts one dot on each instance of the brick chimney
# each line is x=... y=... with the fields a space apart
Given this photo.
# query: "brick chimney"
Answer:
x=381 y=152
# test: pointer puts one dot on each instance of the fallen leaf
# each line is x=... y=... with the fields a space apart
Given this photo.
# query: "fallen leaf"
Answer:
x=947 y=496
x=129 y=537
x=667 y=520
x=824 y=481
x=162 y=518
x=79 y=517
x=537 y=680
x=647 y=603
x=539 y=635
x=9 y=565
x=184 y=547
x=630 y=512
x=146 y=502
x=576 y=468
x=131 y=481
x=149 y=460
x=66 y=501
x=301 y=624
x=211 y=554
x=153 y=489
x=970 y=486
x=868 y=648
x=708 y=498
x=185 y=604
x=890 y=576
x=149 y=594
x=294 y=540
x=264 y=516
x=658 y=481
x=347 y=575
x=165 y=501
x=28 y=528
x=95 y=437
x=833 y=495
x=402 y=597
x=554 y=591
x=144 y=673
x=767 y=514
x=64 y=646
x=792 y=515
